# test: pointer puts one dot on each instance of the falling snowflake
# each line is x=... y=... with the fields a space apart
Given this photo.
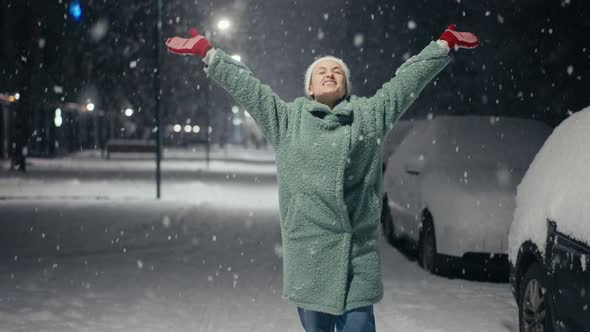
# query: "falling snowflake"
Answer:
x=278 y=250
x=166 y=221
x=99 y=30
x=412 y=25
x=359 y=39
x=320 y=34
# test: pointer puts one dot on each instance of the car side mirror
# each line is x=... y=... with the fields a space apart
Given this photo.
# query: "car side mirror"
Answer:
x=414 y=164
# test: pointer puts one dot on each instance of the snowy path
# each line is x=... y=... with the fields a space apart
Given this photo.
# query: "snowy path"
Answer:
x=199 y=268
x=85 y=247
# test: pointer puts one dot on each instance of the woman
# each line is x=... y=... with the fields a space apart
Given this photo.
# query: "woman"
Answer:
x=328 y=154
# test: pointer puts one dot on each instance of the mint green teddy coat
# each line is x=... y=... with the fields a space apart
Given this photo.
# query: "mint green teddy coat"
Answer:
x=329 y=178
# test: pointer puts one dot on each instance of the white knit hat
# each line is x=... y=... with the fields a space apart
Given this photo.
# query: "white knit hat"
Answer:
x=339 y=61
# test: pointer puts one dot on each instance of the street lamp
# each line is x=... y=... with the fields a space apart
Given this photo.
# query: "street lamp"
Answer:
x=90 y=107
x=223 y=24
x=58 y=119
x=129 y=112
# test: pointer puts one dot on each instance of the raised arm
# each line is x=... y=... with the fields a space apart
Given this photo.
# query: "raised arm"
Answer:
x=389 y=103
x=265 y=107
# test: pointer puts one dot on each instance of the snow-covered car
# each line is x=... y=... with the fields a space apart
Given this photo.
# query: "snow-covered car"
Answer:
x=549 y=238
x=449 y=187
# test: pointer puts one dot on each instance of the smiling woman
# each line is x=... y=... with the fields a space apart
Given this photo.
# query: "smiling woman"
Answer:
x=327 y=80
x=328 y=156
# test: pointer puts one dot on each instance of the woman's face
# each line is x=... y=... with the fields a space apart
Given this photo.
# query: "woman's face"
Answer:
x=328 y=82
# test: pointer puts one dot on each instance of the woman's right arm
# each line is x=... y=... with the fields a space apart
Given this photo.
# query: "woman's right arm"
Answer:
x=265 y=107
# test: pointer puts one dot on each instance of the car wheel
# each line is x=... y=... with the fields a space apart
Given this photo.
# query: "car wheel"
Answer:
x=533 y=308
x=427 y=252
x=387 y=222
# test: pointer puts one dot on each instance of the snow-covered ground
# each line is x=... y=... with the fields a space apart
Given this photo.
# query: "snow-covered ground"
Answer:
x=221 y=182
x=85 y=253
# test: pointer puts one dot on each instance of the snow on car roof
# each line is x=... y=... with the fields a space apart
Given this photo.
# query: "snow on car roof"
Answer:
x=503 y=140
x=555 y=187
x=468 y=139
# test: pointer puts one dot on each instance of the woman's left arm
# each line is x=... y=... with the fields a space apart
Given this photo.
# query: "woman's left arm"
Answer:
x=411 y=77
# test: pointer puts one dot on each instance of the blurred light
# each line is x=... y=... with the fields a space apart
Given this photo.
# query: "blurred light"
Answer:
x=75 y=10
x=90 y=107
x=237 y=122
x=237 y=57
x=129 y=112
x=196 y=129
x=188 y=128
x=99 y=30
x=58 y=120
x=210 y=129
x=11 y=99
x=177 y=128
x=17 y=96
x=235 y=109
x=223 y=24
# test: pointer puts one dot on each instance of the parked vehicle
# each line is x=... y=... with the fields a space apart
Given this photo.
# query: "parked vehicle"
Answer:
x=549 y=238
x=449 y=188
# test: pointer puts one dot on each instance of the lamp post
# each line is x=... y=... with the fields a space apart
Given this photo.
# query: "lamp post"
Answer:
x=223 y=25
x=157 y=33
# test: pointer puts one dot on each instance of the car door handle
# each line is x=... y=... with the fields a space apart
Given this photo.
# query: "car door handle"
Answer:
x=413 y=172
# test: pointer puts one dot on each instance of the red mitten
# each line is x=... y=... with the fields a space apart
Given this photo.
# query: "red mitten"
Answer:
x=197 y=45
x=457 y=39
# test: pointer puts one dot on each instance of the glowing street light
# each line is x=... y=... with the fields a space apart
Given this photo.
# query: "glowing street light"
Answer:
x=90 y=107
x=223 y=24
x=188 y=128
x=75 y=10
x=129 y=112
x=17 y=96
x=177 y=128
x=58 y=120
x=196 y=129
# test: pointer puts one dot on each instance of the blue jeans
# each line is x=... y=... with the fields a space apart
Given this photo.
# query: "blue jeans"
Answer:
x=355 y=320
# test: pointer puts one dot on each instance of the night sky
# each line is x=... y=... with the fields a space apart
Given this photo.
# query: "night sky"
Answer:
x=533 y=60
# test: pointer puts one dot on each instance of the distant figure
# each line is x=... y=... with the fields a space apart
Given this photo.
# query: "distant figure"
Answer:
x=328 y=154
